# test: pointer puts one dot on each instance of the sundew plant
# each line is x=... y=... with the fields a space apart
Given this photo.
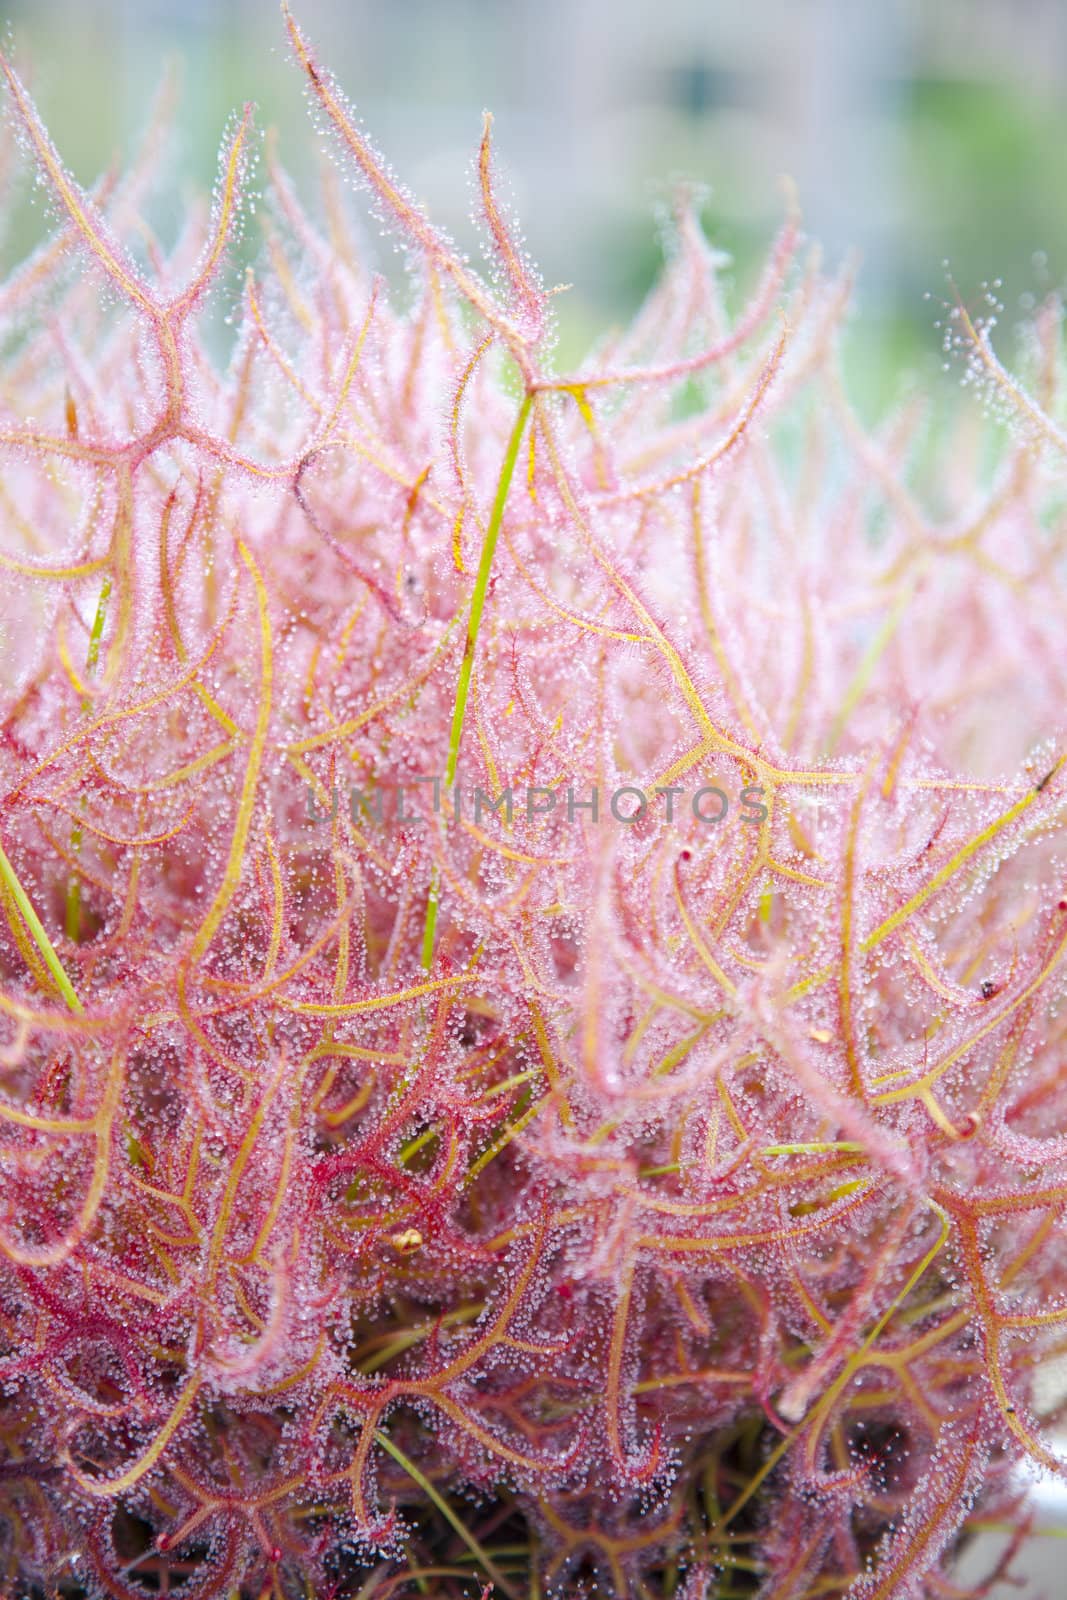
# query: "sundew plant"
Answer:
x=533 y=921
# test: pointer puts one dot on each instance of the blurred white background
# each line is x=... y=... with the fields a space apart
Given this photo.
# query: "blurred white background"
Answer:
x=917 y=130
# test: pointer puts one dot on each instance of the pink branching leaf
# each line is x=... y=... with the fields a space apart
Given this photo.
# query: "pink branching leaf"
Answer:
x=414 y=1161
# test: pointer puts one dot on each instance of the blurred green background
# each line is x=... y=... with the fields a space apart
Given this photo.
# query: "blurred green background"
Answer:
x=919 y=131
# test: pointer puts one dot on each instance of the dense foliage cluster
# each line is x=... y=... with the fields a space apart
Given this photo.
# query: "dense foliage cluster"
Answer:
x=533 y=917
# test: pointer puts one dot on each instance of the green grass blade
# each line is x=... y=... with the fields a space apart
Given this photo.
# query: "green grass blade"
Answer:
x=37 y=933
x=474 y=622
x=480 y=1555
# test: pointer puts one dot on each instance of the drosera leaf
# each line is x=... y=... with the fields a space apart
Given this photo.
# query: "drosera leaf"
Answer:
x=636 y=1161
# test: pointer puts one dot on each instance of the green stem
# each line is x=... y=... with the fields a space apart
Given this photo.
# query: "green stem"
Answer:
x=474 y=622
x=73 y=916
x=37 y=932
x=74 y=888
x=480 y=1555
x=99 y=620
